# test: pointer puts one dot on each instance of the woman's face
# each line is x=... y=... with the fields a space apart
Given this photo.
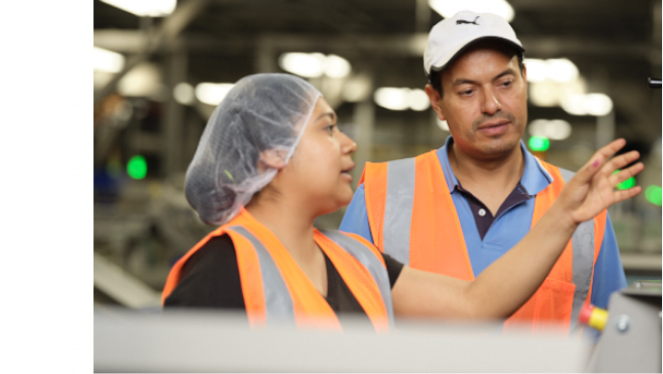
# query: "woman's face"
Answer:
x=319 y=170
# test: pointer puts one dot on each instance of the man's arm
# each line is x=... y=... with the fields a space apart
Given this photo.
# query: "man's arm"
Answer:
x=608 y=271
x=355 y=219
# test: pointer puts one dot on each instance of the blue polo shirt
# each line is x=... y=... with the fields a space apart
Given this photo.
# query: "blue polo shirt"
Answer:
x=508 y=228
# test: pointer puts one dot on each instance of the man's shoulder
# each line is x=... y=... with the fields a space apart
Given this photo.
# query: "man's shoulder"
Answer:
x=545 y=165
x=403 y=160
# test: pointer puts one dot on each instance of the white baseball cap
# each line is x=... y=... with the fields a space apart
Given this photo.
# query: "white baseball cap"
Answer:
x=449 y=37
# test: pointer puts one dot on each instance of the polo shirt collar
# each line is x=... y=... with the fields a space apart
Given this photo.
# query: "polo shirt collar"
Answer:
x=535 y=177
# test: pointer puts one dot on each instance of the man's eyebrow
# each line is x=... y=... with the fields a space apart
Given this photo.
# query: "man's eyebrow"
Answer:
x=460 y=81
x=505 y=72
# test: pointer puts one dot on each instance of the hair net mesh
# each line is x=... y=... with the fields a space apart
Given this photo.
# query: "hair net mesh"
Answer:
x=261 y=112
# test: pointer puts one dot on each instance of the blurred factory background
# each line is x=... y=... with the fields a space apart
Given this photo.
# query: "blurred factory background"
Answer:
x=159 y=71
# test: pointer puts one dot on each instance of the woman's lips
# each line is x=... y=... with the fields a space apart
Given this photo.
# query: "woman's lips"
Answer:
x=345 y=173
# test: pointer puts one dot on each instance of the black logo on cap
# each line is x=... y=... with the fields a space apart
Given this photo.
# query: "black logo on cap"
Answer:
x=463 y=22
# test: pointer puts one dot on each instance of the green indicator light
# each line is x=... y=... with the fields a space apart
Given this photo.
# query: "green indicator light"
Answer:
x=137 y=167
x=653 y=194
x=625 y=185
x=539 y=143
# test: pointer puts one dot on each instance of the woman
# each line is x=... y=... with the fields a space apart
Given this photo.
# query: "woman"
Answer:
x=272 y=159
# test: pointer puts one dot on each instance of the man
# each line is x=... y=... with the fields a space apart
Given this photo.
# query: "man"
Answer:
x=457 y=209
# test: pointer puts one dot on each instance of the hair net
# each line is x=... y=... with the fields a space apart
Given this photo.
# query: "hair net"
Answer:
x=261 y=112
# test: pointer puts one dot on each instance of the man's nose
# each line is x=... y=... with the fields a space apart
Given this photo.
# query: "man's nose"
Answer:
x=491 y=103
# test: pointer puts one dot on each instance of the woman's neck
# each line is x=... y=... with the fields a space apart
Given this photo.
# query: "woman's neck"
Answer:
x=291 y=226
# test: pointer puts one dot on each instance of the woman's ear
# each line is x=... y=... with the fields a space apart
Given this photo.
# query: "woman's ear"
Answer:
x=274 y=158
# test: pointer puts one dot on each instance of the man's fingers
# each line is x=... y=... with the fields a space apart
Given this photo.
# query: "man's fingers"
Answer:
x=620 y=161
x=598 y=160
x=622 y=195
x=625 y=174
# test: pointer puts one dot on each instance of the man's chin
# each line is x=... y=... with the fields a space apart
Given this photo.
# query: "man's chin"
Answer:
x=499 y=148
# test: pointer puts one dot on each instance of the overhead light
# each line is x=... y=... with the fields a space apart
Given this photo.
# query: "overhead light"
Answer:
x=107 y=61
x=548 y=93
x=145 y=8
x=391 y=98
x=544 y=94
x=401 y=98
x=144 y=80
x=595 y=104
x=598 y=104
x=537 y=69
x=559 y=70
x=313 y=65
x=307 y=65
x=184 y=93
x=212 y=93
x=556 y=129
x=357 y=88
x=448 y=8
x=417 y=100
x=336 y=66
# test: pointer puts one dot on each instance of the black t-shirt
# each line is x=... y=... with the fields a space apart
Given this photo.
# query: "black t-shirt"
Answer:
x=210 y=279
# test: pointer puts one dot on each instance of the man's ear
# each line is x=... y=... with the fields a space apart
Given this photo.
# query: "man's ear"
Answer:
x=274 y=158
x=434 y=98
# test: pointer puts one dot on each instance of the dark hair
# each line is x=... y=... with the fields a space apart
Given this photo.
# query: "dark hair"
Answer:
x=435 y=77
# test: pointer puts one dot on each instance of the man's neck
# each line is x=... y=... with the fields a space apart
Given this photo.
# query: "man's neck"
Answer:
x=491 y=180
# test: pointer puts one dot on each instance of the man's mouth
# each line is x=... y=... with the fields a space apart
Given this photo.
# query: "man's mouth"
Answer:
x=492 y=124
x=496 y=127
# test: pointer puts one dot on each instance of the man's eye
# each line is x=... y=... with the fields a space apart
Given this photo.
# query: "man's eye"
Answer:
x=466 y=92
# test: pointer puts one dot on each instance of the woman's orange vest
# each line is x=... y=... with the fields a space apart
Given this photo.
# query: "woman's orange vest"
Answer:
x=436 y=241
x=276 y=289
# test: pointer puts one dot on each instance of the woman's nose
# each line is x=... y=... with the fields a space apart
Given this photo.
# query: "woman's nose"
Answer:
x=348 y=146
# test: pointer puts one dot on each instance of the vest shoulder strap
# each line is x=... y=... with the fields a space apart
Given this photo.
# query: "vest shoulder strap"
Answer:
x=363 y=269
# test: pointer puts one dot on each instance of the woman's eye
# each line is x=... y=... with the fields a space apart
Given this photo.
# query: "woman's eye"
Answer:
x=330 y=128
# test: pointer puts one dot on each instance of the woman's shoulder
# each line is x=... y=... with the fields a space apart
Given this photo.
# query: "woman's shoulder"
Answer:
x=215 y=252
x=210 y=278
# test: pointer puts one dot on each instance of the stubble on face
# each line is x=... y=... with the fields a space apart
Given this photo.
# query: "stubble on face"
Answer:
x=499 y=144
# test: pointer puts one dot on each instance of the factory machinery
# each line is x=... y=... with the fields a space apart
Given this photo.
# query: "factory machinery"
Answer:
x=208 y=341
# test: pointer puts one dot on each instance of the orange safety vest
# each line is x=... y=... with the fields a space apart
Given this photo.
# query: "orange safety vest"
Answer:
x=276 y=289
x=413 y=219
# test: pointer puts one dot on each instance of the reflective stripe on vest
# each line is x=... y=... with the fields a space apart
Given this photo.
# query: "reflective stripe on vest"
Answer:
x=276 y=289
x=364 y=255
x=412 y=218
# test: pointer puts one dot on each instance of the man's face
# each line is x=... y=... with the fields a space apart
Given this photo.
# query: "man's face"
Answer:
x=484 y=103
